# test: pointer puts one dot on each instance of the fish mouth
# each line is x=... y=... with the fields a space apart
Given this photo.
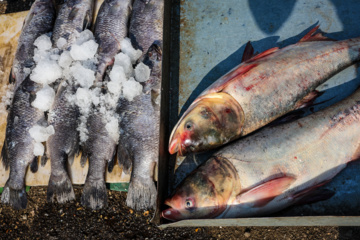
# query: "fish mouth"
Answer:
x=171 y=213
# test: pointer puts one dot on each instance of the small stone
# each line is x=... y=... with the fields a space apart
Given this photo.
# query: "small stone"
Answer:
x=131 y=211
x=247 y=234
x=146 y=213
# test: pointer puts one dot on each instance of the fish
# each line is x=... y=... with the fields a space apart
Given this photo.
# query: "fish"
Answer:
x=274 y=168
x=18 y=149
x=146 y=24
x=138 y=147
x=261 y=89
x=111 y=27
x=100 y=147
x=74 y=16
x=39 y=20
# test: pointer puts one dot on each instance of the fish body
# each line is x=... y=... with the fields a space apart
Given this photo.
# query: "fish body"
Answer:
x=18 y=149
x=40 y=20
x=100 y=147
x=74 y=16
x=275 y=168
x=139 y=136
x=260 y=90
x=110 y=29
x=146 y=24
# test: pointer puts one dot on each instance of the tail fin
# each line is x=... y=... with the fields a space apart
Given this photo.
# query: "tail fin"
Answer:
x=94 y=194
x=14 y=197
x=141 y=194
x=60 y=186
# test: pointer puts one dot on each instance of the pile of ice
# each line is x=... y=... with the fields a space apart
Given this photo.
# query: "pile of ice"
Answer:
x=77 y=67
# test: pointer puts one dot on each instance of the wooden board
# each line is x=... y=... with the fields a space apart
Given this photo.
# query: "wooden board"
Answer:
x=10 y=29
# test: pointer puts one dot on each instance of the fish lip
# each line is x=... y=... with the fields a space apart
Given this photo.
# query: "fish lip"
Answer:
x=171 y=214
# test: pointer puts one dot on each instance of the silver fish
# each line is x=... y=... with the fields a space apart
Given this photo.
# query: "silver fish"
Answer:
x=139 y=136
x=74 y=16
x=40 y=20
x=275 y=168
x=261 y=89
x=110 y=29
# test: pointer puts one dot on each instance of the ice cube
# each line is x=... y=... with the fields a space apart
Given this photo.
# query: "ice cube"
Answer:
x=142 y=72
x=44 y=98
x=131 y=89
x=84 y=51
x=46 y=72
x=129 y=50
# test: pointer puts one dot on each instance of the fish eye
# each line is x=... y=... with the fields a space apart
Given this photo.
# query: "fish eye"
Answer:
x=189 y=126
x=189 y=203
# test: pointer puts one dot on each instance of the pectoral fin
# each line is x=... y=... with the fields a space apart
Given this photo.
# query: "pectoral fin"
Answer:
x=265 y=192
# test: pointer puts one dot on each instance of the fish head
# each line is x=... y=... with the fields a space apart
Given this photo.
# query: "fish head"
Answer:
x=212 y=120
x=205 y=193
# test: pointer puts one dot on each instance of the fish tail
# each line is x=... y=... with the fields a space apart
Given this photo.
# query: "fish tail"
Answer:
x=141 y=194
x=124 y=158
x=61 y=187
x=94 y=193
x=14 y=197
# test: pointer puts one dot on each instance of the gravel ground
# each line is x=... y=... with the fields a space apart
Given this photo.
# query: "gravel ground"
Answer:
x=42 y=220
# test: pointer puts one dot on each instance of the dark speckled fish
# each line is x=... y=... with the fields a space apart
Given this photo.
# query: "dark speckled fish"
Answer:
x=110 y=29
x=40 y=20
x=100 y=147
x=274 y=168
x=18 y=149
x=74 y=16
x=261 y=89
x=146 y=24
x=139 y=126
x=139 y=136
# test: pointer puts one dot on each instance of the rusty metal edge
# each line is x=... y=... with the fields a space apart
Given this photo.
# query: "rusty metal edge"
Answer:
x=162 y=165
x=269 y=221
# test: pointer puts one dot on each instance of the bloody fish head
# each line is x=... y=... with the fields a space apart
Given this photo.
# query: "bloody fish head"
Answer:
x=211 y=120
x=204 y=193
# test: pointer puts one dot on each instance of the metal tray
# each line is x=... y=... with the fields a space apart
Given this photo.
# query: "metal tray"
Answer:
x=205 y=39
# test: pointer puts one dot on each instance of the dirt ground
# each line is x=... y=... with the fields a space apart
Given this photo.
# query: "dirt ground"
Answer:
x=42 y=220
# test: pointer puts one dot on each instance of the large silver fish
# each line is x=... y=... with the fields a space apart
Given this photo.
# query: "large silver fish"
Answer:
x=18 y=149
x=74 y=16
x=275 y=168
x=111 y=28
x=261 y=89
x=40 y=20
x=139 y=135
x=100 y=148
x=139 y=126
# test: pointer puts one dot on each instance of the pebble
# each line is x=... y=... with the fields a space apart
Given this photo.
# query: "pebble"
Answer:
x=247 y=234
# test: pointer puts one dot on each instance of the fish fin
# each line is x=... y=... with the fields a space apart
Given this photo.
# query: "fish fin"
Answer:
x=141 y=194
x=311 y=36
x=111 y=162
x=87 y=21
x=34 y=166
x=72 y=153
x=5 y=155
x=264 y=54
x=314 y=196
x=124 y=158
x=308 y=100
x=73 y=13
x=248 y=52
x=45 y=157
x=94 y=195
x=261 y=195
x=61 y=187
x=84 y=157
x=14 y=197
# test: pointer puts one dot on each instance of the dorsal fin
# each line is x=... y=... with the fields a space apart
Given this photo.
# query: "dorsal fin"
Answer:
x=248 y=52
x=312 y=36
x=264 y=54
